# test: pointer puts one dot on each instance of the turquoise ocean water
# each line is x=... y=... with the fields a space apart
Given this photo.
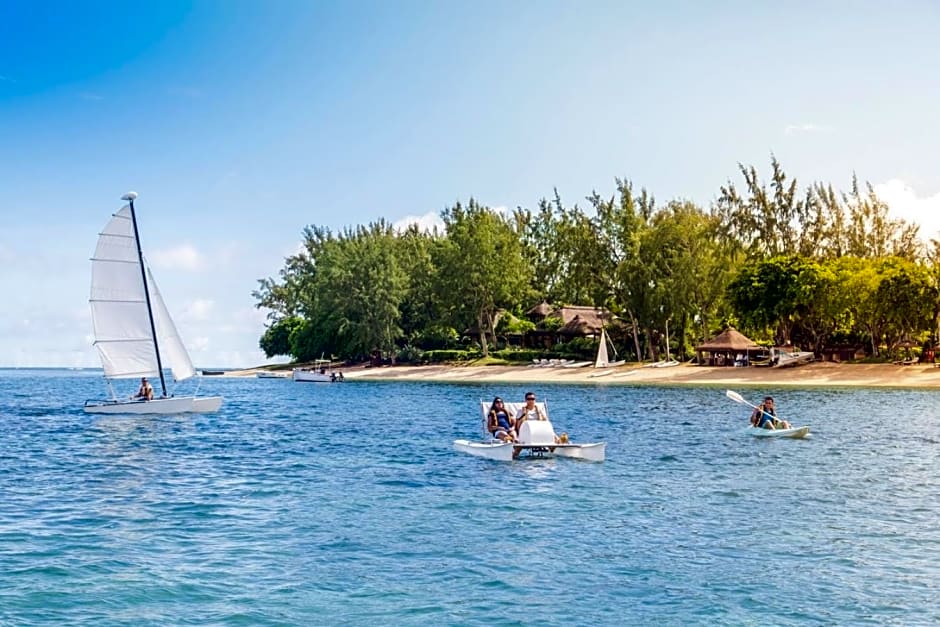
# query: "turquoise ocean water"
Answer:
x=305 y=504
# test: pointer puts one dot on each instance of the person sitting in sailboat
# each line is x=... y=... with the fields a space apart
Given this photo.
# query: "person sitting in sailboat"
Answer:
x=146 y=390
x=499 y=423
x=765 y=416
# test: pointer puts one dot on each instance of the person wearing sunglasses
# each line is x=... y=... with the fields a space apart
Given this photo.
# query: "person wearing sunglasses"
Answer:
x=500 y=424
x=529 y=411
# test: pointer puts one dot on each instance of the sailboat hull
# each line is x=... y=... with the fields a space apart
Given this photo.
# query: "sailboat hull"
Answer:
x=172 y=405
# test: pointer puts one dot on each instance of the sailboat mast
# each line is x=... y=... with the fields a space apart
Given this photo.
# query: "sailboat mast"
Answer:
x=143 y=275
x=668 y=358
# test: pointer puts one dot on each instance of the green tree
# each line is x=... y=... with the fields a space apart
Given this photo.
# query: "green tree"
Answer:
x=482 y=268
x=870 y=232
x=623 y=220
x=276 y=338
x=763 y=221
x=767 y=295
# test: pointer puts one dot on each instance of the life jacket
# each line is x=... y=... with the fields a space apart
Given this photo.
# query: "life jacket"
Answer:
x=766 y=414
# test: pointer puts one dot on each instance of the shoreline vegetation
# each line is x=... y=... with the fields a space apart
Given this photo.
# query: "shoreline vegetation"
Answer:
x=804 y=267
x=817 y=374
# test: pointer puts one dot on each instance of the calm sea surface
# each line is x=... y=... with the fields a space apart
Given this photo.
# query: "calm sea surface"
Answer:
x=306 y=504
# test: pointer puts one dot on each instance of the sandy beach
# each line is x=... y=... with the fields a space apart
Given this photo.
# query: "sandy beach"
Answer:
x=823 y=374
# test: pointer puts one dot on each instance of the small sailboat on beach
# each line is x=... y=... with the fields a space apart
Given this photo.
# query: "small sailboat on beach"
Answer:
x=134 y=333
x=603 y=360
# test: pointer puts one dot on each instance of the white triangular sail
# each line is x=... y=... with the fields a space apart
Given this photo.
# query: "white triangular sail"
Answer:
x=123 y=335
x=172 y=352
x=118 y=303
x=601 y=361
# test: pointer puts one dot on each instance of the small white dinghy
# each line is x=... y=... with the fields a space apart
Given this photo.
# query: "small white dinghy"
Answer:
x=794 y=432
x=536 y=439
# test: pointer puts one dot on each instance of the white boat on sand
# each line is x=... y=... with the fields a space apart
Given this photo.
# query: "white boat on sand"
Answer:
x=602 y=360
x=320 y=372
x=134 y=333
x=783 y=358
x=267 y=374
x=536 y=439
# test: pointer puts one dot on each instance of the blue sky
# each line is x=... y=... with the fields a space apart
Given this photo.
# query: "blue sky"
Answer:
x=239 y=123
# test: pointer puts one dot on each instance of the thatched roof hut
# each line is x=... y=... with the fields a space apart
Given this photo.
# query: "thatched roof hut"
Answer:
x=539 y=311
x=729 y=340
x=581 y=321
x=568 y=322
x=726 y=346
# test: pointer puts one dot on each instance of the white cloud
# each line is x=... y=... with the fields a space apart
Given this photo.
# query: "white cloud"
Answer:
x=428 y=222
x=183 y=257
x=793 y=129
x=88 y=95
x=198 y=344
x=231 y=252
x=904 y=203
x=431 y=220
x=199 y=309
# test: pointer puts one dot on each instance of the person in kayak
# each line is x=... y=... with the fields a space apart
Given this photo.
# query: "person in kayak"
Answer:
x=500 y=424
x=765 y=416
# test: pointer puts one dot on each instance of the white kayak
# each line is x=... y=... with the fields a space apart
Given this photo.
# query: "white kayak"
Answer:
x=794 y=432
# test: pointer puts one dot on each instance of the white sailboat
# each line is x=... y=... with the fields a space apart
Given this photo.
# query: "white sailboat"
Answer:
x=602 y=360
x=134 y=333
x=669 y=362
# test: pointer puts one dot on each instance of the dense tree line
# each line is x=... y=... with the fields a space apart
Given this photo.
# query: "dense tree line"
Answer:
x=810 y=266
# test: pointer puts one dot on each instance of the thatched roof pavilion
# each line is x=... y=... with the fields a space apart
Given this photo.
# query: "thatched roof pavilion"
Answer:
x=540 y=311
x=727 y=344
x=728 y=340
x=582 y=320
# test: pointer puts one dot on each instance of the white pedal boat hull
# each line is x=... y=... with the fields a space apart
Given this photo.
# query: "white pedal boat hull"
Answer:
x=502 y=451
x=794 y=433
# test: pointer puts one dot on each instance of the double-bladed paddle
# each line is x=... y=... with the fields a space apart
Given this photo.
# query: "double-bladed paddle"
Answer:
x=737 y=398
